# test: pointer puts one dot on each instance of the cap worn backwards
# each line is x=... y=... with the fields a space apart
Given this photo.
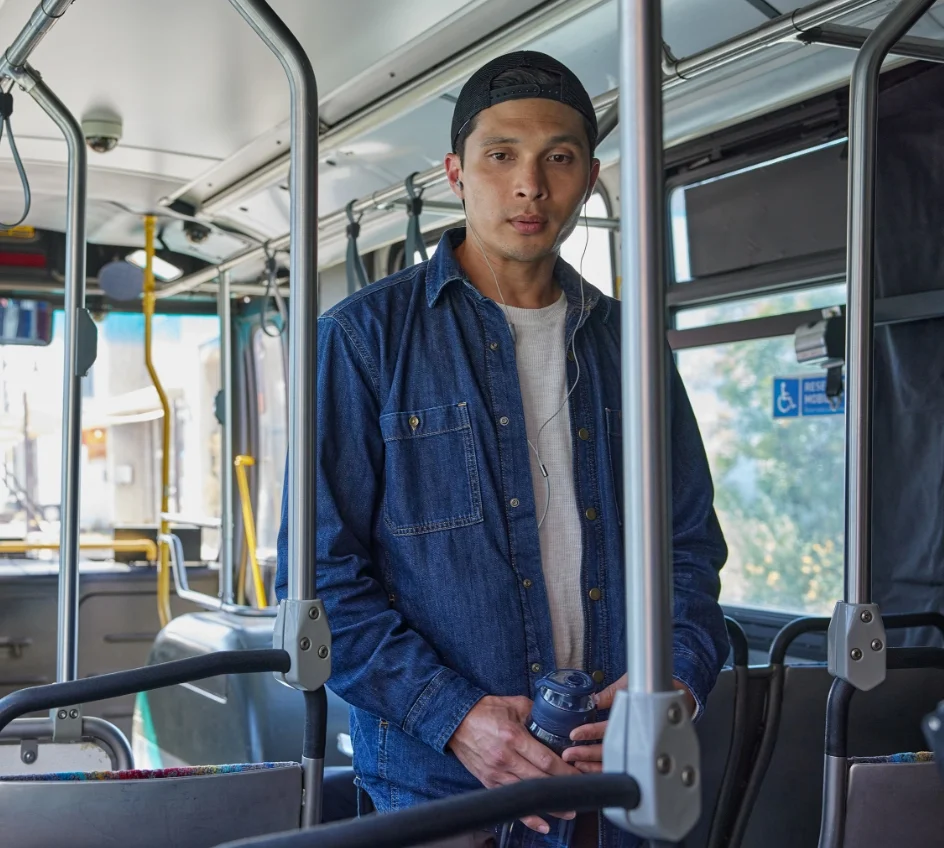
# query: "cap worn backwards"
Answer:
x=478 y=94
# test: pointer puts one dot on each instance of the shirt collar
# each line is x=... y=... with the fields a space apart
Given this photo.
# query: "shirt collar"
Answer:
x=444 y=268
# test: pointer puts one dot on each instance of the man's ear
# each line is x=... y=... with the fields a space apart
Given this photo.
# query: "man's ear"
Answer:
x=454 y=173
x=592 y=181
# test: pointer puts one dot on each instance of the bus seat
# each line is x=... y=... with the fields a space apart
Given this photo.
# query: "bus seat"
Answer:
x=888 y=718
x=726 y=735
x=248 y=718
x=196 y=807
x=895 y=800
x=338 y=795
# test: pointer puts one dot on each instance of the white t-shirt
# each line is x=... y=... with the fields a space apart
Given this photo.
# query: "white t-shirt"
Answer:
x=542 y=372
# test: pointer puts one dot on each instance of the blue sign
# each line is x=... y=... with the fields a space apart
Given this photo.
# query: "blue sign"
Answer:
x=804 y=396
x=814 y=401
x=786 y=397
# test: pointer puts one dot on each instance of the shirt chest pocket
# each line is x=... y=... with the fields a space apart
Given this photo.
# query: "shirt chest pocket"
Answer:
x=432 y=478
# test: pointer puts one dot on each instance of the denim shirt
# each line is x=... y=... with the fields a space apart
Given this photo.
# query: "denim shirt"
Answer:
x=429 y=564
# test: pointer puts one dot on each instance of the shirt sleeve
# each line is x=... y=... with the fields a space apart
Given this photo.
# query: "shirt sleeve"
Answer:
x=700 y=639
x=378 y=663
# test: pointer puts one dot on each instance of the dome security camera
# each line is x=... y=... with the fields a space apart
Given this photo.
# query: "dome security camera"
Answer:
x=101 y=135
x=196 y=233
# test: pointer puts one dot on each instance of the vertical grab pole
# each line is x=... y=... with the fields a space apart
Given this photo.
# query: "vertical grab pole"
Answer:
x=650 y=735
x=647 y=542
x=856 y=645
x=73 y=370
x=225 y=311
x=303 y=264
x=149 y=303
x=301 y=627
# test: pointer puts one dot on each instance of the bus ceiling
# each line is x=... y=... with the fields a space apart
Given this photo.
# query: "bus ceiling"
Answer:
x=183 y=155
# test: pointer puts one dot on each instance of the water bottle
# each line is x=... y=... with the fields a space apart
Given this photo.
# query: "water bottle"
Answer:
x=563 y=702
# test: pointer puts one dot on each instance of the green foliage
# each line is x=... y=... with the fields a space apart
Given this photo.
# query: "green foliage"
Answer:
x=779 y=483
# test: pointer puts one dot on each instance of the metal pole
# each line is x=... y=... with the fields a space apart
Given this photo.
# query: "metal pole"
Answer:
x=608 y=121
x=834 y=35
x=303 y=268
x=76 y=191
x=781 y=29
x=646 y=529
x=863 y=126
x=548 y=18
x=225 y=309
x=111 y=740
x=42 y=20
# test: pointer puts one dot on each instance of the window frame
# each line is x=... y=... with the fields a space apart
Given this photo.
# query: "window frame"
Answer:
x=252 y=384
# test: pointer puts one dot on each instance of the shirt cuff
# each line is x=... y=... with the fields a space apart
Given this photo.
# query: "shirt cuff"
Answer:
x=691 y=670
x=440 y=709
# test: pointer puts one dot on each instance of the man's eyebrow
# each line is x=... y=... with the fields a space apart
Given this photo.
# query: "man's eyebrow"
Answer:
x=499 y=140
x=567 y=138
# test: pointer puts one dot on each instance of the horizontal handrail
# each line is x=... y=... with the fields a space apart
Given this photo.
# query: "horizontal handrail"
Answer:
x=146 y=546
x=205 y=523
x=121 y=683
x=111 y=740
x=182 y=587
x=816 y=624
x=463 y=813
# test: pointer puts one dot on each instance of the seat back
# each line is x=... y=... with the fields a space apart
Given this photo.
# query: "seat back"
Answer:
x=187 y=808
x=250 y=718
x=896 y=800
x=788 y=808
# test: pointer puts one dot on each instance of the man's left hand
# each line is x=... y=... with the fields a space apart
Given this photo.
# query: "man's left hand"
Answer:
x=589 y=758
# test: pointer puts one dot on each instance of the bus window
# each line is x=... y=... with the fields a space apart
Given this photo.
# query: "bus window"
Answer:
x=779 y=483
x=272 y=410
x=744 y=309
x=598 y=259
x=121 y=429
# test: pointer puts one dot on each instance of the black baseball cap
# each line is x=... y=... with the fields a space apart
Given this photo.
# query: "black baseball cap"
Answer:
x=477 y=94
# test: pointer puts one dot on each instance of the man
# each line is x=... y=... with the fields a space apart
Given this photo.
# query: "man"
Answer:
x=470 y=474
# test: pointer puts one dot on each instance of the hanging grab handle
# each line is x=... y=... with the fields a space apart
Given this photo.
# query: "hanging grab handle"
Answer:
x=6 y=109
x=354 y=265
x=414 y=238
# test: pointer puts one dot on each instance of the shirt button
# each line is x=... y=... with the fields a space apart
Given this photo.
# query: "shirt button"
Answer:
x=595 y=594
x=392 y=598
x=527 y=583
x=515 y=502
x=591 y=514
x=584 y=434
x=414 y=422
x=503 y=421
x=570 y=356
x=597 y=676
x=493 y=346
x=536 y=668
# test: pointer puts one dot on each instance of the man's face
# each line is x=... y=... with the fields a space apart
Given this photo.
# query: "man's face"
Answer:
x=526 y=173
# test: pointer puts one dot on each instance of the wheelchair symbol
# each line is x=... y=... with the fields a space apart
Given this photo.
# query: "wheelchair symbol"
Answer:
x=786 y=403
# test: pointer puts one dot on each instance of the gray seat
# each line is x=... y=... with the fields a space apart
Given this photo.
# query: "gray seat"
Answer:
x=788 y=808
x=185 y=808
x=895 y=800
x=246 y=718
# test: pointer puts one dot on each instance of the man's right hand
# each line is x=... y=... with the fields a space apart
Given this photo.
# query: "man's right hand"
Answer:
x=494 y=745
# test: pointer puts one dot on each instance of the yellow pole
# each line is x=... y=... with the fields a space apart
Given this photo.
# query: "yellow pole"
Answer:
x=163 y=565
x=131 y=546
x=241 y=462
